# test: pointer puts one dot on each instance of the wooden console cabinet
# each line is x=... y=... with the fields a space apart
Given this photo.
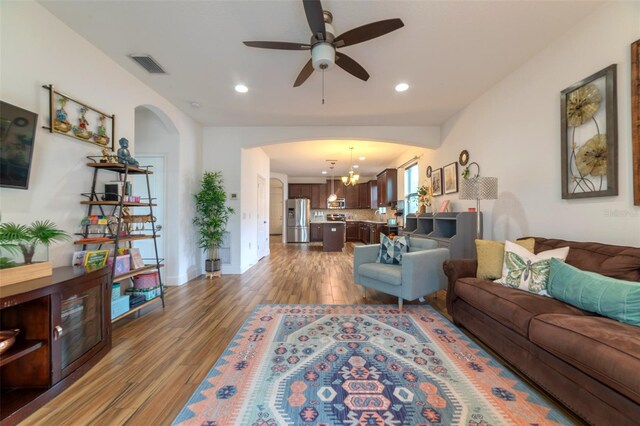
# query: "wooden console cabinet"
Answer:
x=65 y=328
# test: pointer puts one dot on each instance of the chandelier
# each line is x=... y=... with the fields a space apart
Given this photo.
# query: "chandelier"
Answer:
x=353 y=178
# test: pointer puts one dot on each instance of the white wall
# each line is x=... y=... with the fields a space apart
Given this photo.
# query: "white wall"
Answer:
x=254 y=163
x=513 y=132
x=38 y=49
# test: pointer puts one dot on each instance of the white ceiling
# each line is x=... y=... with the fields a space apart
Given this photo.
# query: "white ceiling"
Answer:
x=449 y=52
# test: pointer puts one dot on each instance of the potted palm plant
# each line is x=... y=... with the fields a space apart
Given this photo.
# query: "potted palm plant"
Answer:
x=23 y=240
x=212 y=215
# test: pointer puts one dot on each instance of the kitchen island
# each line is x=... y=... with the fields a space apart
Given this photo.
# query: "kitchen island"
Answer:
x=331 y=233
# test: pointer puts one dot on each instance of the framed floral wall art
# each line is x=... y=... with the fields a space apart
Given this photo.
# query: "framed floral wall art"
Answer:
x=450 y=178
x=589 y=136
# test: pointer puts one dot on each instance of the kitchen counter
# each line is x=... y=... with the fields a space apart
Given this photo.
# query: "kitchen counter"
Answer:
x=326 y=221
x=377 y=222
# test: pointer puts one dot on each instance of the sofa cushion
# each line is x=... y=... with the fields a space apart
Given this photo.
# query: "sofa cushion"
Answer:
x=613 y=261
x=527 y=271
x=512 y=308
x=491 y=257
x=610 y=297
x=601 y=347
x=390 y=274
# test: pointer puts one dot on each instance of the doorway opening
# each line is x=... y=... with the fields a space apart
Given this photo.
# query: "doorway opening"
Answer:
x=276 y=206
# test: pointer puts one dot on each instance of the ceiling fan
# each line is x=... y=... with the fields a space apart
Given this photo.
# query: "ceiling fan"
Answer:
x=324 y=43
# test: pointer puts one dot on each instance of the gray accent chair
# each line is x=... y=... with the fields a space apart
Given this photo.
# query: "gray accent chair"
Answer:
x=420 y=274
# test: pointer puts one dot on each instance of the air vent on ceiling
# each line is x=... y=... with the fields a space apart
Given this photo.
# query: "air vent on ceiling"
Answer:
x=148 y=63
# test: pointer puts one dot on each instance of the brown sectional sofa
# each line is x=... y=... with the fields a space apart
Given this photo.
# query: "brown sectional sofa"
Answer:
x=589 y=363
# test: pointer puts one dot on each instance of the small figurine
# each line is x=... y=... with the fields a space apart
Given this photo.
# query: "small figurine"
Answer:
x=106 y=156
x=101 y=137
x=81 y=130
x=124 y=157
x=61 y=124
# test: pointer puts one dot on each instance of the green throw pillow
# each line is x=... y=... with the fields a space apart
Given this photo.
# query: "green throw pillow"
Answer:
x=593 y=292
x=391 y=251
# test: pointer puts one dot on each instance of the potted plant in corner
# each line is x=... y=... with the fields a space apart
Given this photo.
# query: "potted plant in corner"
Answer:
x=22 y=239
x=212 y=215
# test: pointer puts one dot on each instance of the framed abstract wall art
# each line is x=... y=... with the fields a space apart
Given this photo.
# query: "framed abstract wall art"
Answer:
x=589 y=136
x=436 y=182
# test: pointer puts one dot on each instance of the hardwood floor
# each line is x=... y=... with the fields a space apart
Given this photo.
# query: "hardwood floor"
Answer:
x=160 y=358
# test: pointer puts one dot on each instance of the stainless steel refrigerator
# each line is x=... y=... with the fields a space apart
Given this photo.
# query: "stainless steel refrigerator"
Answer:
x=298 y=216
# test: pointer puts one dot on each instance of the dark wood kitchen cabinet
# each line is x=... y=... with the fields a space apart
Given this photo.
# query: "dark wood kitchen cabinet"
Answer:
x=300 y=190
x=368 y=195
x=387 y=184
x=352 y=197
x=364 y=233
x=338 y=186
x=65 y=328
x=319 y=196
x=353 y=231
x=315 y=232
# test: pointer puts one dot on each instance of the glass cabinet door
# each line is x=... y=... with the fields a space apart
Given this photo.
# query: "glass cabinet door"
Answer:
x=81 y=324
x=80 y=328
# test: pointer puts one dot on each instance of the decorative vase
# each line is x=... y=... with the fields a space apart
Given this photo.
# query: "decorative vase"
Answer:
x=423 y=208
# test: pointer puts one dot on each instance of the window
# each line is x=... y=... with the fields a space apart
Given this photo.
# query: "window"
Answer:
x=411 y=178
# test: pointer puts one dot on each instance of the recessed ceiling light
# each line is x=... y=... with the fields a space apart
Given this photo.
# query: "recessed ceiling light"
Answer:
x=355 y=166
x=195 y=104
x=401 y=87
x=362 y=158
x=241 y=88
x=324 y=172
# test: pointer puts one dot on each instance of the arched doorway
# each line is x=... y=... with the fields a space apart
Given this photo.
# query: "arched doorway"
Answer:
x=157 y=144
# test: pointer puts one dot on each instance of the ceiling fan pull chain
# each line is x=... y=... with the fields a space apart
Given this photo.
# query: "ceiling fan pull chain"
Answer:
x=322 y=87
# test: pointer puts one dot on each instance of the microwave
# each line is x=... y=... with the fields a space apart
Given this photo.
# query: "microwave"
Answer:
x=337 y=204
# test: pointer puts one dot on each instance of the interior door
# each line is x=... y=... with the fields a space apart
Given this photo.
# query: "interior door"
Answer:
x=275 y=211
x=157 y=184
x=262 y=218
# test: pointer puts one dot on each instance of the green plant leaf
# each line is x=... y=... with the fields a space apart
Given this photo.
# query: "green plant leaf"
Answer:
x=212 y=213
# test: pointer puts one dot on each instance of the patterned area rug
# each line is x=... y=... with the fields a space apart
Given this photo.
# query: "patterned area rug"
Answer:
x=360 y=365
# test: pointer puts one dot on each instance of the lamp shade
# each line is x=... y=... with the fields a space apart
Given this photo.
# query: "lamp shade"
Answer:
x=479 y=188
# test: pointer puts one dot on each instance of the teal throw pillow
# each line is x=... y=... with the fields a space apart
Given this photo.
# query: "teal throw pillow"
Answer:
x=391 y=251
x=610 y=297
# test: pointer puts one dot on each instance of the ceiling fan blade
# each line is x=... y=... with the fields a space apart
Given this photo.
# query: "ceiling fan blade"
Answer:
x=367 y=32
x=315 y=18
x=351 y=66
x=304 y=74
x=281 y=45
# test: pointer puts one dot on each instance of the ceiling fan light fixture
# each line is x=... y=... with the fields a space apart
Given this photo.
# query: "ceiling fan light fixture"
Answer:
x=323 y=56
x=241 y=88
x=402 y=87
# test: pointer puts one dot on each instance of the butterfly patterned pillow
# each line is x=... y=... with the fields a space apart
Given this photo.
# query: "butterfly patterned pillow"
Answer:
x=527 y=271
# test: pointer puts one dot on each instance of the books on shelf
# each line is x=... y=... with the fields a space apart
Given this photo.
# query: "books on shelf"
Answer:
x=136 y=258
x=78 y=258
x=96 y=258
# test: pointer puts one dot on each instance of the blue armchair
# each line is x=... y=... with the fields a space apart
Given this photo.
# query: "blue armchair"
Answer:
x=421 y=272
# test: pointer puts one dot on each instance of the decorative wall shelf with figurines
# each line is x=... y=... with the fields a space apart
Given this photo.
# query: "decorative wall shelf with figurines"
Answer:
x=93 y=125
